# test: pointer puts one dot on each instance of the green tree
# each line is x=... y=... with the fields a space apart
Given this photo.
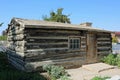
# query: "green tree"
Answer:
x=57 y=16
x=114 y=40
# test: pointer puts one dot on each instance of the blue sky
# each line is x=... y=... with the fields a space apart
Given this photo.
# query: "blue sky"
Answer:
x=104 y=14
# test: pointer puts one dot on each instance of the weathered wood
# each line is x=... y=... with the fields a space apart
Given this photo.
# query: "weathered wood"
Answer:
x=103 y=44
x=103 y=48
x=54 y=56
x=103 y=34
x=46 y=40
x=107 y=42
x=15 y=32
x=46 y=46
x=103 y=39
x=48 y=52
x=69 y=61
x=16 y=38
x=31 y=46
x=20 y=49
x=103 y=52
x=58 y=43
x=52 y=37
x=30 y=30
x=64 y=48
x=50 y=34
x=20 y=43
x=15 y=29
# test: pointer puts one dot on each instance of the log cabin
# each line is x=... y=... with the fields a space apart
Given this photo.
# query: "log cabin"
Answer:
x=34 y=43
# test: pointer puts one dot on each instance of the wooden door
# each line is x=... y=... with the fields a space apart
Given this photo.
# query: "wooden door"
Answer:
x=91 y=46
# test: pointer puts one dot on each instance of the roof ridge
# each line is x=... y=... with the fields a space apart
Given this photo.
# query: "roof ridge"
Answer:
x=23 y=19
x=51 y=24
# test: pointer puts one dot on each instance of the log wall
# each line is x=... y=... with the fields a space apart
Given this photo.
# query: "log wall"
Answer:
x=53 y=45
x=30 y=48
x=16 y=45
x=104 y=44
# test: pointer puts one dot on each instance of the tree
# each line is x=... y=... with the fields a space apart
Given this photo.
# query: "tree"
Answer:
x=114 y=40
x=57 y=16
x=1 y=24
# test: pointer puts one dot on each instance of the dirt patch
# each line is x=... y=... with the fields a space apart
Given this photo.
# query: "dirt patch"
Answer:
x=87 y=72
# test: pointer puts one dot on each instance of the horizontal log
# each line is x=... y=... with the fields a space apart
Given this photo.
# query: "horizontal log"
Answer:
x=107 y=42
x=51 y=52
x=76 y=61
x=46 y=40
x=109 y=47
x=30 y=30
x=47 y=49
x=58 y=43
x=46 y=46
x=104 y=52
x=49 y=34
x=54 y=57
x=103 y=39
x=103 y=34
x=52 y=37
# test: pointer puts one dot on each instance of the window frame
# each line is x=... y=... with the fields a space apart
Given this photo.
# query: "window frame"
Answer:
x=74 y=44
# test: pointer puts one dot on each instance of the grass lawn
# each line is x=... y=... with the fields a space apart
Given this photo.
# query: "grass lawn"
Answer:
x=8 y=72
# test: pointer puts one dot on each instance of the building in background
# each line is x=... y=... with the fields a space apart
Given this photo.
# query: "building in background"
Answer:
x=117 y=34
x=4 y=32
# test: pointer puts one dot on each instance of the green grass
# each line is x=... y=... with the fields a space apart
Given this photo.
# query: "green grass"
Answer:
x=8 y=72
x=100 y=78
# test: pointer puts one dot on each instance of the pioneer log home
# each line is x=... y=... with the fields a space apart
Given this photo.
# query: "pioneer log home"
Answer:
x=34 y=43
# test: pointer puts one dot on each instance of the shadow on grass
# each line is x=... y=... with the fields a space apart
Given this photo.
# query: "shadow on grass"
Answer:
x=8 y=72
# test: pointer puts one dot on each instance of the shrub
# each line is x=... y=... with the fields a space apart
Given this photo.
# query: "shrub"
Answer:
x=100 y=78
x=56 y=72
x=118 y=60
x=110 y=59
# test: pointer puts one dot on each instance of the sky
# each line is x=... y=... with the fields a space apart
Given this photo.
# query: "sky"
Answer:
x=104 y=14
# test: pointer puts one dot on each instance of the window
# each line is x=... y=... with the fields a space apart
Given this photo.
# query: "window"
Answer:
x=74 y=43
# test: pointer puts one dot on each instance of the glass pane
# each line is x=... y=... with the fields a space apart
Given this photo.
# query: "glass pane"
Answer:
x=74 y=46
x=71 y=46
x=70 y=41
x=74 y=43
